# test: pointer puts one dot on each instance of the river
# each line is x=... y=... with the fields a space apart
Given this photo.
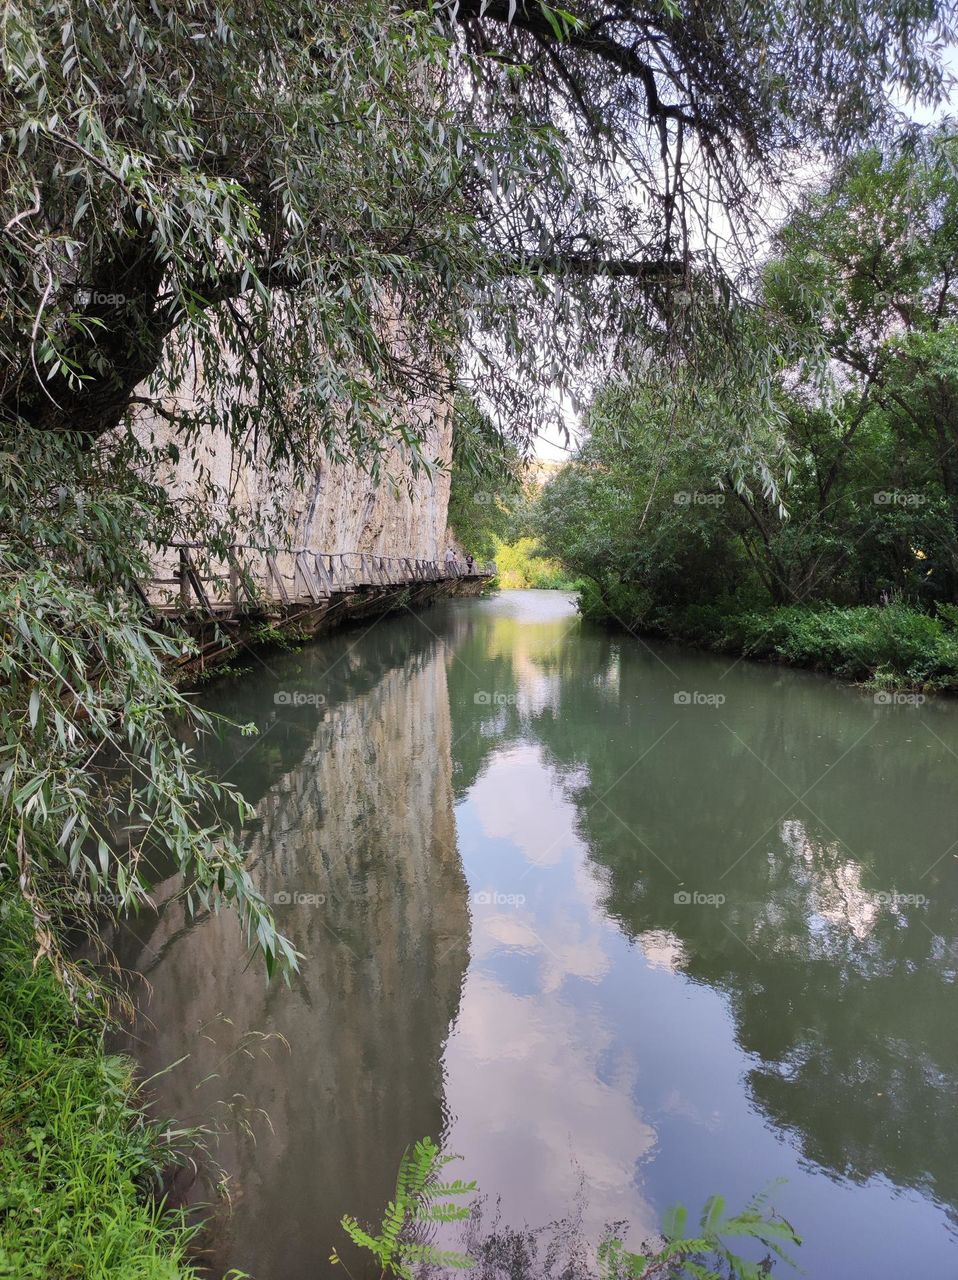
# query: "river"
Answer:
x=621 y=924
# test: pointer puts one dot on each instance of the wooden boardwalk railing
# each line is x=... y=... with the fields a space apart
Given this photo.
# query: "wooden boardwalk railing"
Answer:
x=243 y=578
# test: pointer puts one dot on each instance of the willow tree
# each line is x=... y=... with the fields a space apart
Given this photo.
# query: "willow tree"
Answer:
x=330 y=210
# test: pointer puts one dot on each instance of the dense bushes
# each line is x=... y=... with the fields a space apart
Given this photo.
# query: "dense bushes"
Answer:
x=78 y=1160
x=522 y=564
x=891 y=646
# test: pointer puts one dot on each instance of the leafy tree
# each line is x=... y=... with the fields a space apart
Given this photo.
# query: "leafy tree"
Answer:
x=643 y=511
x=269 y=186
x=486 y=483
x=864 y=274
x=298 y=225
x=826 y=431
x=96 y=775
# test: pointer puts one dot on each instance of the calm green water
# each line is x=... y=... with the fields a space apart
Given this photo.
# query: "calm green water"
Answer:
x=622 y=924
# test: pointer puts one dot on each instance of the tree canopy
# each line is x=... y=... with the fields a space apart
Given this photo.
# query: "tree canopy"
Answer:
x=266 y=187
x=848 y=359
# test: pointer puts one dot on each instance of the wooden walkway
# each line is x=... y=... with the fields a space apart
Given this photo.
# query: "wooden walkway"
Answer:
x=242 y=579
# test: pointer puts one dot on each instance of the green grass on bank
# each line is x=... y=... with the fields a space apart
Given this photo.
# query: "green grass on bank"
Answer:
x=891 y=646
x=78 y=1159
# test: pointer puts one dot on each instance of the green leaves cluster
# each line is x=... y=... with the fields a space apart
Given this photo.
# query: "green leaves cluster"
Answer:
x=707 y=1254
x=818 y=459
x=81 y=1164
x=99 y=787
x=421 y=1198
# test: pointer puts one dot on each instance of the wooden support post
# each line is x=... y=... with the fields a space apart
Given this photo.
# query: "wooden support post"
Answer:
x=194 y=578
x=278 y=579
x=322 y=575
x=234 y=580
x=243 y=577
x=184 y=580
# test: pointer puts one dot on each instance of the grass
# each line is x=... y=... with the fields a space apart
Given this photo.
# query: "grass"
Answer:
x=892 y=646
x=79 y=1162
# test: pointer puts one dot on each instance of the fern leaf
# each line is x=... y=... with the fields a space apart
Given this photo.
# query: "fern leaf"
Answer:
x=673 y=1222
x=457 y=1188
x=448 y=1212
x=428 y=1253
x=712 y=1215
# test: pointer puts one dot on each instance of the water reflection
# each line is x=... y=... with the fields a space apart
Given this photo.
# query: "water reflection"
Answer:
x=356 y=843
x=623 y=948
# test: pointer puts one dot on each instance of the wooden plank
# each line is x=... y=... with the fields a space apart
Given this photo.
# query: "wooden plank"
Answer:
x=278 y=579
x=313 y=587
x=322 y=574
x=245 y=576
x=195 y=581
x=184 y=577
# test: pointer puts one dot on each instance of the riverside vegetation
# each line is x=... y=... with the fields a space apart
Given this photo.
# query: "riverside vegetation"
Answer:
x=830 y=540
x=244 y=187
x=80 y=1163
x=704 y=1253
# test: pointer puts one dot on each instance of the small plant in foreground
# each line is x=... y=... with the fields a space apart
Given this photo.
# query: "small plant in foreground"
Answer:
x=706 y=1255
x=420 y=1198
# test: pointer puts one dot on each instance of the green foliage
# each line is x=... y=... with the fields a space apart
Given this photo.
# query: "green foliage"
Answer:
x=706 y=1255
x=485 y=492
x=649 y=501
x=266 y=184
x=688 y=512
x=80 y=1165
x=97 y=779
x=886 y=647
x=420 y=1198
x=244 y=183
x=522 y=564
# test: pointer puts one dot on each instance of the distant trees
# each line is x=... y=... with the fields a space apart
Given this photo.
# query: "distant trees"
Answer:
x=849 y=360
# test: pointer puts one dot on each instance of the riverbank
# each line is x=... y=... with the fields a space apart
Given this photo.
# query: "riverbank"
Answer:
x=80 y=1164
x=889 y=647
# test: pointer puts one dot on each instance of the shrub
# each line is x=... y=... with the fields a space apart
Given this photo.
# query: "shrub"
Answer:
x=79 y=1163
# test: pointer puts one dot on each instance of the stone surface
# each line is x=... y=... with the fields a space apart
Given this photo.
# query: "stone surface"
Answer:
x=337 y=508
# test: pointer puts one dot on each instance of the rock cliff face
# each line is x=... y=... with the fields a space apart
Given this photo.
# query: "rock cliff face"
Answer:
x=318 y=1089
x=338 y=507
